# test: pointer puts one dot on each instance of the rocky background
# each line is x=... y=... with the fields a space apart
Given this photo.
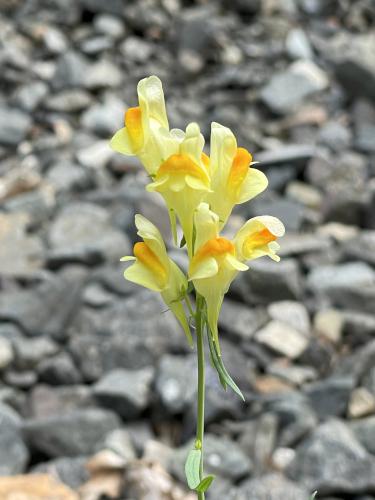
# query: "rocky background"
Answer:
x=96 y=383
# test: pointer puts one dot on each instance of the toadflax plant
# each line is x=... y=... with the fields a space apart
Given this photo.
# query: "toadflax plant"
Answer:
x=200 y=192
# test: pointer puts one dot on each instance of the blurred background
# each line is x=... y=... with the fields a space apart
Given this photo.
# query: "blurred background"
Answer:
x=97 y=385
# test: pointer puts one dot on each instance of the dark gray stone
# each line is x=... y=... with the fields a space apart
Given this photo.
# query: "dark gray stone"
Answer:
x=70 y=71
x=361 y=247
x=330 y=397
x=364 y=430
x=45 y=400
x=176 y=382
x=29 y=352
x=31 y=95
x=284 y=276
x=15 y=126
x=332 y=461
x=14 y=455
x=105 y=118
x=240 y=320
x=271 y=487
x=72 y=434
x=68 y=101
x=127 y=392
x=82 y=231
x=59 y=370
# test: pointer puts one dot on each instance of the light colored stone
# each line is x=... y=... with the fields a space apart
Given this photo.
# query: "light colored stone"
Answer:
x=282 y=457
x=361 y=403
x=305 y=194
x=329 y=323
x=283 y=339
x=34 y=487
x=292 y=313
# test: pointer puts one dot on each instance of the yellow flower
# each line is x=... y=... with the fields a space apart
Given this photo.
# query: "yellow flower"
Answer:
x=257 y=238
x=213 y=266
x=183 y=180
x=146 y=127
x=153 y=269
x=232 y=181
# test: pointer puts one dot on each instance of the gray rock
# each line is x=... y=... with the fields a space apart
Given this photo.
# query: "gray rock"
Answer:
x=294 y=244
x=286 y=90
x=96 y=295
x=104 y=73
x=31 y=95
x=72 y=434
x=59 y=370
x=114 y=7
x=282 y=338
x=294 y=154
x=29 y=352
x=289 y=211
x=82 y=232
x=104 y=119
x=70 y=71
x=362 y=247
x=298 y=45
x=31 y=309
x=271 y=487
x=330 y=397
x=292 y=313
x=136 y=49
x=71 y=471
x=284 y=276
x=68 y=101
x=120 y=442
x=109 y=25
x=335 y=135
x=67 y=176
x=350 y=285
x=45 y=400
x=364 y=430
x=332 y=461
x=176 y=382
x=222 y=457
x=125 y=391
x=14 y=455
x=241 y=321
x=354 y=64
x=15 y=126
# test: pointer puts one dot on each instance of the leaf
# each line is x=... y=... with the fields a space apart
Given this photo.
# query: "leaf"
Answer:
x=225 y=378
x=313 y=495
x=192 y=468
x=205 y=484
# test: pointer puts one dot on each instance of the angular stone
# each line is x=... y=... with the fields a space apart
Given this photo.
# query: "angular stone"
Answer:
x=17 y=126
x=6 y=353
x=71 y=471
x=364 y=430
x=127 y=392
x=330 y=397
x=82 y=231
x=292 y=313
x=273 y=487
x=68 y=101
x=176 y=382
x=287 y=90
x=361 y=247
x=361 y=404
x=46 y=401
x=329 y=323
x=103 y=73
x=72 y=434
x=14 y=455
x=332 y=461
x=240 y=320
x=284 y=276
x=20 y=253
x=349 y=285
x=29 y=352
x=283 y=339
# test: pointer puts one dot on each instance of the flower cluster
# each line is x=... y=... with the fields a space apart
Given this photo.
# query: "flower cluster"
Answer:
x=200 y=192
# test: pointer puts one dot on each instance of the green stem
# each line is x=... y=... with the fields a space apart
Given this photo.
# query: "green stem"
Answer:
x=201 y=381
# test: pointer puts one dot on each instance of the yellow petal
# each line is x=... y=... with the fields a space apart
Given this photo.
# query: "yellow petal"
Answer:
x=151 y=261
x=254 y=183
x=153 y=238
x=134 y=127
x=204 y=269
x=121 y=143
x=193 y=143
x=253 y=240
x=151 y=100
x=206 y=224
x=141 y=275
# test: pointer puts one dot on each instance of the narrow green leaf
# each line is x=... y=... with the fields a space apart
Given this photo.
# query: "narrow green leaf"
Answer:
x=225 y=378
x=205 y=484
x=192 y=466
x=313 y=495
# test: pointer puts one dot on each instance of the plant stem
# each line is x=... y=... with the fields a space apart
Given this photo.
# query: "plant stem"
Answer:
x=201 y=381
